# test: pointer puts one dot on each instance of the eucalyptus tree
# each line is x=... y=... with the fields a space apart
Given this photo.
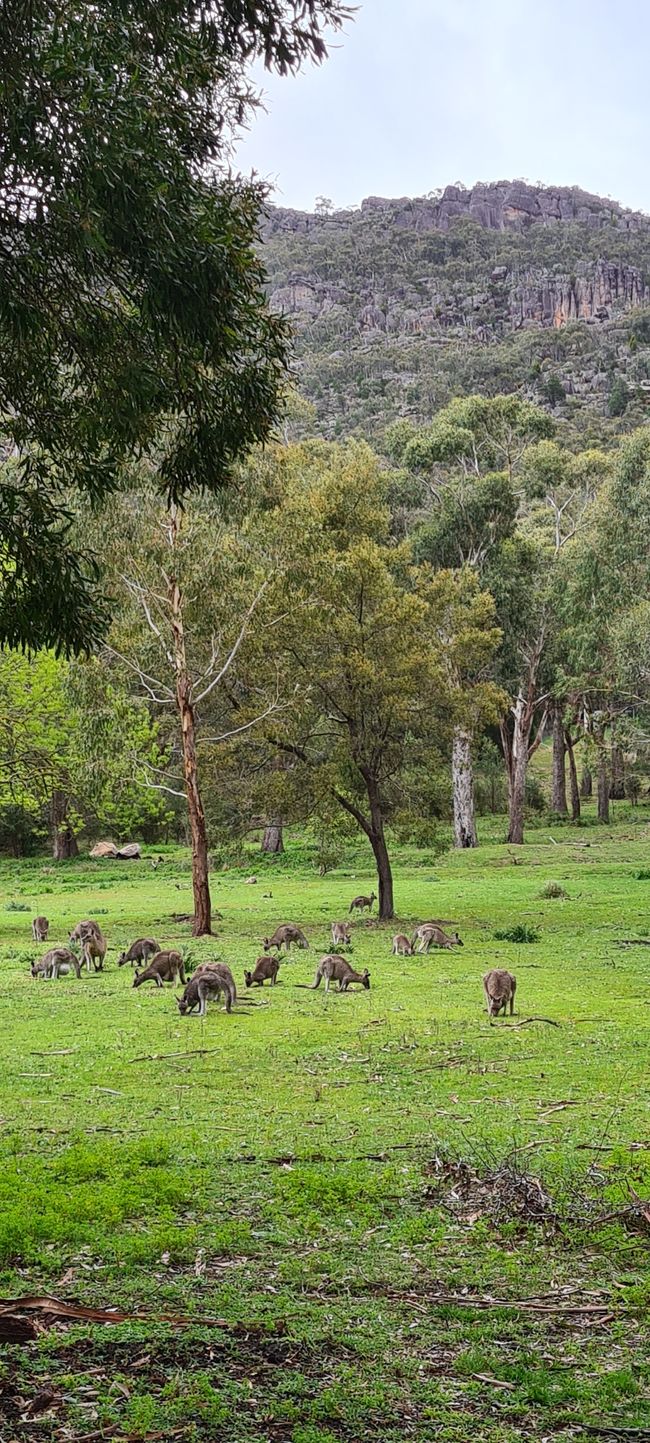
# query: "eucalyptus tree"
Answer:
x=379 y=657
x=131 y=292
x=470 y=459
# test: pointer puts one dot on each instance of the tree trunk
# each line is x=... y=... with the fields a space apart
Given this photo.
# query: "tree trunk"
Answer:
x=558 y=777
x=573 y=778
x=273 y=841
x=617 y=783
x=463 y=785
x=586 y=783
x=377 y=838
x=603 y=782
x=516 y=745
x=64 y=842
x=202 y=923
x=384 y=876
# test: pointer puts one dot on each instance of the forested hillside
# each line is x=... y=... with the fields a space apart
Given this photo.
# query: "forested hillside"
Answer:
x=402 y=304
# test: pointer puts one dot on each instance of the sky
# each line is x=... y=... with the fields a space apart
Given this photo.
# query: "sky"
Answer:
x=417 y=94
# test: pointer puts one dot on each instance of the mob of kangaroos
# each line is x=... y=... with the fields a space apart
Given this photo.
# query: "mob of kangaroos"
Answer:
x=213 y=980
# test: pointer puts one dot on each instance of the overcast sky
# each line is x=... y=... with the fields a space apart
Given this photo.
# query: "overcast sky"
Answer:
x=420 y=93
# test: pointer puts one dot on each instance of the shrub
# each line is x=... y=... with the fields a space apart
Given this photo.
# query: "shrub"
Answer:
x=553 y=889
x=521 y=933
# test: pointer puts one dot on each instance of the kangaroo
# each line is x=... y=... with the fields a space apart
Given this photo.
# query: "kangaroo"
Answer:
x=210 y=980
x=93 y=944
x=56 y=962
x=499 y=988
x=139 y=952
x=286 y=936
x=402 y=947
x=429 y=936
x=337 y=969
x=264 y=967
x=341 y=934
x=40 y=928
x=358 y=904
x=165 y=967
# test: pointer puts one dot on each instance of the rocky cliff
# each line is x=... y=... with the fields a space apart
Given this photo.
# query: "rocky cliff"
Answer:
x=396 y=299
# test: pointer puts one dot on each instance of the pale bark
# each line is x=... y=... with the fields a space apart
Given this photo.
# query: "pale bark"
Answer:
x=586 y=783
x=603 y=781
x=558 y=776
x=463 y=788
x=202 y=923
x=273 y=840
x=573 y=778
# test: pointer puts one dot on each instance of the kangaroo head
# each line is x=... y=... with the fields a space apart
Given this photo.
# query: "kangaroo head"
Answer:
x=366 y=978
x=139 y=977
x=181 y=1004
x=455 y=938
x=248 y=978
x=121 y=959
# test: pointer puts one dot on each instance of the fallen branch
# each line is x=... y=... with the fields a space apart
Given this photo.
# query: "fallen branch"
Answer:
x=634 y=942
x=525 y=1020
x=55 y=1308
x=164 y=1056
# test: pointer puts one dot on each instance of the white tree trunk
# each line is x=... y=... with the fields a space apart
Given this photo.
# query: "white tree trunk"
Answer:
x=463 y=784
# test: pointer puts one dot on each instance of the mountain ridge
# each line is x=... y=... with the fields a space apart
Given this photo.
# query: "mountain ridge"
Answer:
x=399 y=304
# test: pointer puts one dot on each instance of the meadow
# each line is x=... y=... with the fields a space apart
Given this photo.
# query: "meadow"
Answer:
x=408 y=1222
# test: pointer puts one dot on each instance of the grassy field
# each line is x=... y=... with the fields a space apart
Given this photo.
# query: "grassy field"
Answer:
x=411 y=1223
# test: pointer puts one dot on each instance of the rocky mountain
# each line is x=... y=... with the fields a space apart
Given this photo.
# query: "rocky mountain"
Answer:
x=402 y=303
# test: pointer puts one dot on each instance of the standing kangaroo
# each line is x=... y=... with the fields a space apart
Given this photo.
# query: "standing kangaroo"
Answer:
x=93 y=944
x=164 y=967
x=139 y=952
x=402 y=947
x=210 y=980
x=358 y=904
x=429 y=936
x=40 y=928
x=265 y=967
x=286 y=936
x=499 y=987
x=337 y=969
x=341 y=934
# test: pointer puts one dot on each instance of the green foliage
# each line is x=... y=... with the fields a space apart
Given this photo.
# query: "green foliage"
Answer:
x=521 y=932
x=133 y=313
x=65 y=731
x=619 y=397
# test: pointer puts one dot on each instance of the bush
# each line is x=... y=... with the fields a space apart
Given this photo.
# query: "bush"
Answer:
x=521 y=933
x=553 y=889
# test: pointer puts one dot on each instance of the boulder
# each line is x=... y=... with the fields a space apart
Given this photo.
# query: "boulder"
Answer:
x=104 y=849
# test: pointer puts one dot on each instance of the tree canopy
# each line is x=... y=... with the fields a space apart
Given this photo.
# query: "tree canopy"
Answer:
x=133 y=315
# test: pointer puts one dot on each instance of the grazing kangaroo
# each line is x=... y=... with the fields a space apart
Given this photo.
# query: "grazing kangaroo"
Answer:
x=341 y=934
x=165 y=967
x=212 y=979
x=139 y=952
x=286 y=936
x=429 y=936
x=40 y=928
x=93 y=944
x=265 y=967
x=359 y=903
x=337 y=969
x=499 y=988
x=56 y=962
x=402 y=946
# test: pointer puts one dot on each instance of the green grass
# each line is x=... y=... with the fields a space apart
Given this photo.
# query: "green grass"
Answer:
x=295 y=1168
